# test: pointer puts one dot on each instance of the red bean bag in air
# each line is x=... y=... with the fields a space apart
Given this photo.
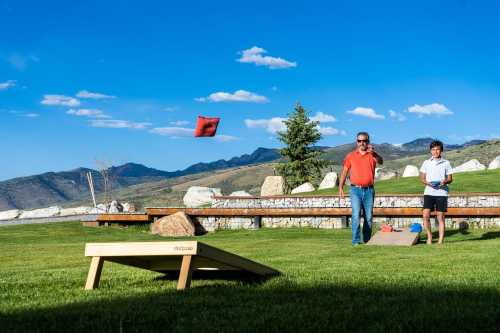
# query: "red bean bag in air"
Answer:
x=206 y=126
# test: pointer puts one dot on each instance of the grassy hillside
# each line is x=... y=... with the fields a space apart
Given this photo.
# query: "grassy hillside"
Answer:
x=325 y=285
x=487 y=181
x=484 y=153
x=170 y=192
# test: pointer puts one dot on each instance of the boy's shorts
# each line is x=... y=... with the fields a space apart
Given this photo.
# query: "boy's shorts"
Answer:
x=438 y=203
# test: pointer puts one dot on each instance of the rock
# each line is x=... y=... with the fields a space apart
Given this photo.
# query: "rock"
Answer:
x=100 y=209
x=273 y=185
x=495 y=164
x=472 y=165
x=197 y=196
x=240 y=194
x=381 y=174
x=411 y=171
x=9 y=214
x=330 y=181
x=175 y=225
x=42 y=212
x=306 y=187
x=75 y=211
x=115 y=207
x=128 y=207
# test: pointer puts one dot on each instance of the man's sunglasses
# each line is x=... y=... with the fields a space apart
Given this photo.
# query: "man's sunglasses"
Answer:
x=363 y=140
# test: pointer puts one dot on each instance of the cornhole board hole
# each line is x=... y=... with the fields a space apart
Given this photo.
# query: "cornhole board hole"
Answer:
x=401 y=237
x=165 y=257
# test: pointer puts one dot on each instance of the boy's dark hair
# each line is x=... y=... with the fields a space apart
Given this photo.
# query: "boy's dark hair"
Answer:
x=436 y=143
x=365 y=134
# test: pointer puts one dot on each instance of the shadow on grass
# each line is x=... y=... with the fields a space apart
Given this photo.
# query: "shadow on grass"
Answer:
x=280 y=307
x=489 y=235
x=451 y=233
x=241 y=276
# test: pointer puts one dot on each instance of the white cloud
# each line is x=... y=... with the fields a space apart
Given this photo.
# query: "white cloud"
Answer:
x=173 y=131
x=93 y=113
x=366 y=112
x=323 y=118
x=92 y=95
x=238 y=96
x=277 y=124
x=20 y=62
x=31 y=115
x=272 y=125
x=179 y=123
x=7 y=84
x=396 y=115
x=60 y=100
x=171 y=108
x=430 y=109
x=255 y=56
x=330 y=131
x=114 y=123
x=225 y=138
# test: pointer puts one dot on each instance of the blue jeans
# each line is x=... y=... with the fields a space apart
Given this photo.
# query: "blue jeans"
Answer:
x=362 y=197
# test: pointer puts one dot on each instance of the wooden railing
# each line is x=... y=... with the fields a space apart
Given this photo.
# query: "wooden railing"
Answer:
x=152 y=213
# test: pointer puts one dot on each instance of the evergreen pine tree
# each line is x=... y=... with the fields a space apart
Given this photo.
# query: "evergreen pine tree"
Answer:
x=301 y=163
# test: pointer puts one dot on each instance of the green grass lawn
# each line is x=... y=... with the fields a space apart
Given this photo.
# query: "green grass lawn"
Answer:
x=487 y=181
x=326 y=284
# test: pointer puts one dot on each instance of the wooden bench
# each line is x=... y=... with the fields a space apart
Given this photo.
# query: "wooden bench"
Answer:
x=164 y=257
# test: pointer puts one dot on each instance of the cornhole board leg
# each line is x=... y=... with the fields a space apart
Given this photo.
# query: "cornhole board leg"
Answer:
x=185 y=273
x=94 y=273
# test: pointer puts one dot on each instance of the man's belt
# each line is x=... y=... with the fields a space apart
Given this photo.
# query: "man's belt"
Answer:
x=359 y=186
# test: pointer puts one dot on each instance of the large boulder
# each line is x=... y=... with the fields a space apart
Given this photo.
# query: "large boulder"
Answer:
x=382 y=174
x=495 y=164
x=9 y=214
x=175 y=225
x=330 y=181
x=197 y=196
x=100 y=209
x=115 y=207
x=128 y=207
x=240 y=194
x=75 y=211
x=273 y=185
x=42 y=212
x=306 y=187
x=410 y=171
x=472 y=165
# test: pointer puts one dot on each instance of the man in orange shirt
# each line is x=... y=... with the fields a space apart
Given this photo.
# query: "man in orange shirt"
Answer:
x=360 y=166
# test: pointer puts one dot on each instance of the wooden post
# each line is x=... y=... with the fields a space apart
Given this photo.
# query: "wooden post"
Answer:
x=185 y=274
x=91 y=186
x=94 y=273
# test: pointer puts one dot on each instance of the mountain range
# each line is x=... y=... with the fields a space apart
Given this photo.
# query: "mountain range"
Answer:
x=70 y=186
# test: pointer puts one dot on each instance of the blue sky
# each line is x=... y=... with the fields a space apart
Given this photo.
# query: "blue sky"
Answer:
x=124 y=81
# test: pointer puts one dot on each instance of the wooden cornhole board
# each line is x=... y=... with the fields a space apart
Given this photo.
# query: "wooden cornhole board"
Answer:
x=165 y=257
x=402 y=237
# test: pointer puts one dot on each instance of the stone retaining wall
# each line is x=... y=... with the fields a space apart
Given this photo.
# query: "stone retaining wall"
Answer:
x=214 y=223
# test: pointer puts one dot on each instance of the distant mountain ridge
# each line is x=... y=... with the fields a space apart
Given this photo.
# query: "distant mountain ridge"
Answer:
x=60 y=187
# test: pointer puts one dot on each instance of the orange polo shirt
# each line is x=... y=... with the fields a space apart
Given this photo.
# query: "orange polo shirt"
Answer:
x=362 y=167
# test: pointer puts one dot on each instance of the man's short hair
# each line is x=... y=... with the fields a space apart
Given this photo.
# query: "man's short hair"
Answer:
x=436 y=143
x=365 y=134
